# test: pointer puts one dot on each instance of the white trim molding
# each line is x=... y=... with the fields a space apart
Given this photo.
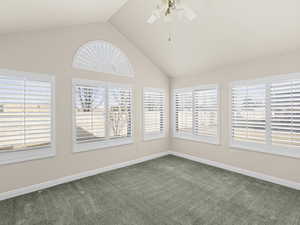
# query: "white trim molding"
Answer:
x=260 y=176
x=52 y=183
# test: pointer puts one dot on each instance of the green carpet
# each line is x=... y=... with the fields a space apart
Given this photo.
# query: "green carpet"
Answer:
x=164 y=191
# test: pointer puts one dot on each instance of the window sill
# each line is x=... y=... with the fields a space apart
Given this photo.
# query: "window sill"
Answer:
x=25 y=155
x=207 y=140
x=273 y=150
x=91 y=146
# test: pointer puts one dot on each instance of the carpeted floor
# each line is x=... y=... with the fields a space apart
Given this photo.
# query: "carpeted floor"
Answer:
x=164 y=191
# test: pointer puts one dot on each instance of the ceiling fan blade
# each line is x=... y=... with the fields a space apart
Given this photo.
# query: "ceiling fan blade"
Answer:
x=152 y=19
x=188 y=12
x=156 y=14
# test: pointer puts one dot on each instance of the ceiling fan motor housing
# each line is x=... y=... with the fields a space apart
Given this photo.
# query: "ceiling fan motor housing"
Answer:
x=171 y=6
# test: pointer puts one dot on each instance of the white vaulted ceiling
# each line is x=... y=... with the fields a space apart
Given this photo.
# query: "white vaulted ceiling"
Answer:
x=225 y=32
x=20 y=15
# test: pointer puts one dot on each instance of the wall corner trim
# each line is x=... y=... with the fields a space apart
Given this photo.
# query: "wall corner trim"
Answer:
x=260 y=176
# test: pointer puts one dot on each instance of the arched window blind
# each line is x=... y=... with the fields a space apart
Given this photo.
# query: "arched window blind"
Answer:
x=102 y=56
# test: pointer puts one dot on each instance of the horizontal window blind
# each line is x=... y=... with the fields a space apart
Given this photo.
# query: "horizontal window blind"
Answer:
x=25 y=113
x=285 y=110
x=102 y=112
x=197 y=113
x=265 y=114
x=184 y=111
x=120 y=112
x=90 y=113
x=249 y=113
x=206 y=112
x=154 y=112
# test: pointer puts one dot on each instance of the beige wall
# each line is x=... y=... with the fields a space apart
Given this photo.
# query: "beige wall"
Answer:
x=51 y=52
x=277 y=166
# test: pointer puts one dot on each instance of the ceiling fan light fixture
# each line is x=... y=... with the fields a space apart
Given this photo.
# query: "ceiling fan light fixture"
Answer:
x=168 y=8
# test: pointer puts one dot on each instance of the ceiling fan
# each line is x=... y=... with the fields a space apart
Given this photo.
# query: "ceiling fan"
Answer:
x=170 y=9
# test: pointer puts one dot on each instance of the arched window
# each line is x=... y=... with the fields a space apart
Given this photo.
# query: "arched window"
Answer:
x=104 y=57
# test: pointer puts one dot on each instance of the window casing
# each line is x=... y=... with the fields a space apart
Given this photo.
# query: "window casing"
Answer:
x=154 y=113
x=265 y=115
x=26 y=116
x=196 y=113
x=102 y=115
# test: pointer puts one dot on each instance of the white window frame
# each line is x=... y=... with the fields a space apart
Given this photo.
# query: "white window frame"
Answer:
x=27 y=154
x=267 y=147
x=192 y=137
x=96 y=145
x=153 y=136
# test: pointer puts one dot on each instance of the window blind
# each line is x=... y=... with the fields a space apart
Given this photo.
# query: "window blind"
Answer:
x=25 y=113
x=120 y=112
x=265 y=114
x=206 y=112
x=90 y=113
x=154 y=113
x=196 y=113
x=249 y=113
x=184 y=111
x=285 y=110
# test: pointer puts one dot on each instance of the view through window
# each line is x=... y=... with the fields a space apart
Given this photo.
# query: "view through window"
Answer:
x=102 y=112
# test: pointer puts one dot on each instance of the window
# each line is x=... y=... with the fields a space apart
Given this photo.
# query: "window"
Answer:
x=102 y=115
x=26 y=116
x=154 y=113
x=265 y=115
x=197 y=113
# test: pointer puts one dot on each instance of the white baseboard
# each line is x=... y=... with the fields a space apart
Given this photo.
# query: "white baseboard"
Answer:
x=52 y=183
x=48 y=184
x=275 y=180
